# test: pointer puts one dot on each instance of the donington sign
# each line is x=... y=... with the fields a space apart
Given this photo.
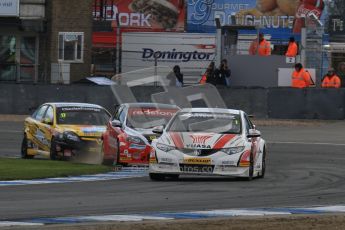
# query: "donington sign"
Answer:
x=9 y=8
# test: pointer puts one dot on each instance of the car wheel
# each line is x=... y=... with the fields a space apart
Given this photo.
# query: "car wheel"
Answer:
x=53 y=153
x=251 y=166
x=117 y=157
x=105 y=161
x=24 y=149
x=263 y=167
x=157 y=176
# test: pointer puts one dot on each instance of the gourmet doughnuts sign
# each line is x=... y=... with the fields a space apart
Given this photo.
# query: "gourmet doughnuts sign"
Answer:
x=268 y=14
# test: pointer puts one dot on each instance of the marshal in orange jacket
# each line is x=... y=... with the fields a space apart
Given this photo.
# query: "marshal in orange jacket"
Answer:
x=292 y=50
x=264 y=48
x=331 y=82
x=301 y=79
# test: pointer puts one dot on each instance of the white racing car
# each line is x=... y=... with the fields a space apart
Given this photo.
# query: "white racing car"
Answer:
x=204 y=141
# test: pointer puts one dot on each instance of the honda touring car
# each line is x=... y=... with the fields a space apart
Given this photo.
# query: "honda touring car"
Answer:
x=64 y=130
x=128 y=137
x=204 y=141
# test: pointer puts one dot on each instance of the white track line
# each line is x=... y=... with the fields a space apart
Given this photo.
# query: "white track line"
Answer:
x=119 y=218
x=304 y=143
x=240 y=212
x=12 y=223
x=335 y=208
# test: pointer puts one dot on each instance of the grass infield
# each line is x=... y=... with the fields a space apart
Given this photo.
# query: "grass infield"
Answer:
x=24 y=169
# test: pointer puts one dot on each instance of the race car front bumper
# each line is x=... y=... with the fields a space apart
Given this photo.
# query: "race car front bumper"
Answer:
x=68 y=148
x=177 y=163
x=194 y=169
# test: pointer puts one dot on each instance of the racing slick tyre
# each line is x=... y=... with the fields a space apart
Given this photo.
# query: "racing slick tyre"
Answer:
x=24 y=149
x=117 y=157
x=105 y=161
x=263 y=167
x=53 y=153
x=157 y=176
x=251 y=166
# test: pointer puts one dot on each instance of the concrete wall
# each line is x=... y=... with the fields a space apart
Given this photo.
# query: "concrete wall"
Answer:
x=284 y=103
x=260 y=71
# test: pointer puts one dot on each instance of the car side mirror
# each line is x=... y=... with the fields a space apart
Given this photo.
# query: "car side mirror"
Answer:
x=47 y=121
x=253 y=133
x=158 y=129
x=116 y=123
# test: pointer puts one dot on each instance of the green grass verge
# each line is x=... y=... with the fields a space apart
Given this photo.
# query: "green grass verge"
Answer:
x=23 y=169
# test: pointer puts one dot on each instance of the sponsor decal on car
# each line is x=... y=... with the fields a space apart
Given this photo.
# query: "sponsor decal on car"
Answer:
x=136 y=146
x=93 y=129
x=152 y=138
x=80 y=109
x=200 y=139
x=153 y=112
x=198 y=146
x=204 y=161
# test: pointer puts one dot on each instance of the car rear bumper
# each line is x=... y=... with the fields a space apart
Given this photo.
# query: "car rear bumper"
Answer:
x=135 y=155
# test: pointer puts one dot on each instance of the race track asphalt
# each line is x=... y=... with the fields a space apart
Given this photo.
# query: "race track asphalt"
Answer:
x=305 y=167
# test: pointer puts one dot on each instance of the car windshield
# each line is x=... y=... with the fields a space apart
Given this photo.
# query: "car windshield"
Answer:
x=82 y=116
x=145 y=118
x=206 y=122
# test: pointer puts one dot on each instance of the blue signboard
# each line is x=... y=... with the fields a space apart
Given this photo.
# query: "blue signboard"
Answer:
x=276 y=20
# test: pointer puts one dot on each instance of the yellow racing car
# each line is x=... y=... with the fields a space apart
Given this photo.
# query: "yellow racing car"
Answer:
x=64 y=131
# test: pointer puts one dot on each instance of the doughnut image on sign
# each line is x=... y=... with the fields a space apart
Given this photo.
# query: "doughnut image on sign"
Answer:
x=162 y=11
x=269 y=13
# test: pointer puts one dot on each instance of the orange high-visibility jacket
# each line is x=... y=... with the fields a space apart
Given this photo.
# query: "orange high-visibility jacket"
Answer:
x=263 y=50
x=292 y=50
x=203 y=79
x=331 y=82
x=300 y=79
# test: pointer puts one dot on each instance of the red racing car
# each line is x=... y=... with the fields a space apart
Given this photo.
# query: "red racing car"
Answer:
x=128 y=136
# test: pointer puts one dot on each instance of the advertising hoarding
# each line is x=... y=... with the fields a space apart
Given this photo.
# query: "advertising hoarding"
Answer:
x=192 y=52
x=139 y=15
x=9 y=8
x=273 y=16
x=336 y=25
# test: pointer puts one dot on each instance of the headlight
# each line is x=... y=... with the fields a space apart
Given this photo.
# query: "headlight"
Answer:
x=164 y=148
x=134 y=139
x=71 y=136
x=233 y=150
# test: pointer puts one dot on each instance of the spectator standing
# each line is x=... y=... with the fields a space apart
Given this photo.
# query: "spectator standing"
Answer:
x=178 y=76
x=300 y=77
x=262 y=49
x=224 y=73
x=292 y=48
x=331 y=80
x=211 y=76
x=208 y=75
x=341 y=73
